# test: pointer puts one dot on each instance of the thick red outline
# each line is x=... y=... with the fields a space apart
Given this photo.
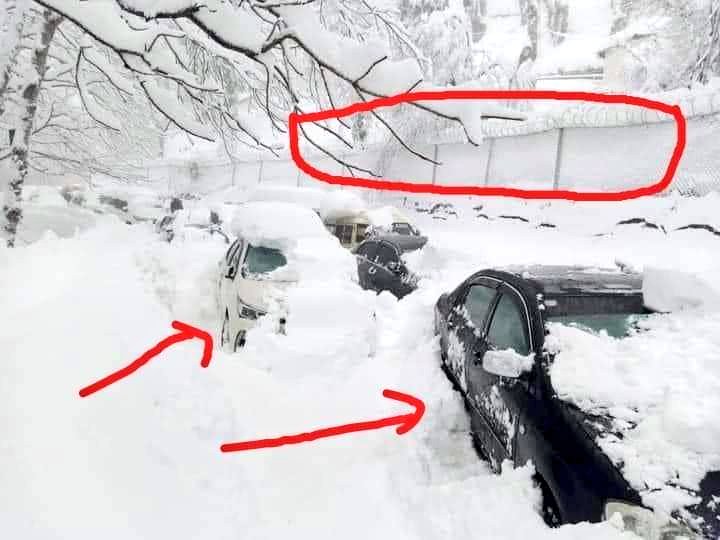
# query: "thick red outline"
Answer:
x=391 y=185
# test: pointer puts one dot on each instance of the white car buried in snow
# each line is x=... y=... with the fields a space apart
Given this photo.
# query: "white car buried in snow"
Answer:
x=280 y=246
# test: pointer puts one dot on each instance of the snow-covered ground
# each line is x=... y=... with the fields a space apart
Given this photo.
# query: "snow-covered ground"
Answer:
x=141 y=459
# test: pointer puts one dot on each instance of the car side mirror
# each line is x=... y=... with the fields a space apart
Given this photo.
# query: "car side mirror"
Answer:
x=243 y=271
x=507 y=363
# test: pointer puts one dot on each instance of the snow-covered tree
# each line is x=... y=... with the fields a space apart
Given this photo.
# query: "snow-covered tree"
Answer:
x=68 y=111
x=90 y=118
x=672 y=42
x=708 y=58
x=196 y=61
x=21 y=102
x=445 y=38
x=11 y=30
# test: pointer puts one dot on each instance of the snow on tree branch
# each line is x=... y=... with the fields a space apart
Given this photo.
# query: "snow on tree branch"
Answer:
x=193 y=58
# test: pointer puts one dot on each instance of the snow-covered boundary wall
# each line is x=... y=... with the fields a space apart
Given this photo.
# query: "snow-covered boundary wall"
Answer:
x=583 y=147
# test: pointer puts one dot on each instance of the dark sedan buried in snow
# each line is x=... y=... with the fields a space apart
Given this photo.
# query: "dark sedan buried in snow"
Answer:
x=381 y=266
x=492 y=331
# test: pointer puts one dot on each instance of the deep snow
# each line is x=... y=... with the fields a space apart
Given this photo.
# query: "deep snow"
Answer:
x=141 y=458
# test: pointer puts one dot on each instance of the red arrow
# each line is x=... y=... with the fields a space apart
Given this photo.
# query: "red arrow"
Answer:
x=185 y=332
x=405 y=423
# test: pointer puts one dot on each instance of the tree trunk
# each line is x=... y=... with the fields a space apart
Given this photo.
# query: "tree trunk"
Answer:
x=708 y=63
x=15 y=20
x=23 y=90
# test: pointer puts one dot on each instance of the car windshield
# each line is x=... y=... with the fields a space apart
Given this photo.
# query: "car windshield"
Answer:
x=262 y=260
x=617 y=316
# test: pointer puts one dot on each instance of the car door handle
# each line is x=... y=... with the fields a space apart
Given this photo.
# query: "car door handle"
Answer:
x=372 y=270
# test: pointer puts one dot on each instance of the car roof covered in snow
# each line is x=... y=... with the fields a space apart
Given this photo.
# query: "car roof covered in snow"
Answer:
x=559 y=280
x=276 y=224
x=404 y=242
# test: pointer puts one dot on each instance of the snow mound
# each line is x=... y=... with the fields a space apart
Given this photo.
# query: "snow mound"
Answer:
x=674 y=290
x=661 y=386
x=43 y=196
x=385 y=216
x=328 y=203
x=330 y=326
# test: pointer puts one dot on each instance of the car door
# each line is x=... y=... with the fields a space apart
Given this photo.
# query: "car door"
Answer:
x=466 y=324
x=230 y=269
x=364 y=254
x=498 y=401
x=223 y=268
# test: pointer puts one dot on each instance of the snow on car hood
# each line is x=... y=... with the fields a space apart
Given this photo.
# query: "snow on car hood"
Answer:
x=314 y=259
x=661 y=387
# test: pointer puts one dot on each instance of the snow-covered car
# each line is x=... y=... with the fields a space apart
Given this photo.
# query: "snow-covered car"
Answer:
x=567 y=367
x=382 y=267
x=45 y=209
x=191 y=223
x=389 y=220
x=278 y=245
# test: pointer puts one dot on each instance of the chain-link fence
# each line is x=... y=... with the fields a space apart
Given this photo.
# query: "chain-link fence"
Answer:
x=580 y=158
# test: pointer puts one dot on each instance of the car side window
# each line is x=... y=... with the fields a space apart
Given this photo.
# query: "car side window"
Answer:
x=402 y=228
x=477 y=304
x=508 y=329
x=386 y=254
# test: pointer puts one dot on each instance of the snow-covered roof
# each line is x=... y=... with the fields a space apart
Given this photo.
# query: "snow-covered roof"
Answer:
x=276 y=224
x=641 y=29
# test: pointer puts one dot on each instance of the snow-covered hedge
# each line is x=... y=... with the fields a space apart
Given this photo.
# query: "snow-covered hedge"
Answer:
x=664 y=214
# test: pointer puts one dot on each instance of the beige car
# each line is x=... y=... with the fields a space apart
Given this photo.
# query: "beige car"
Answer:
x=353 y=228
x=349 y=228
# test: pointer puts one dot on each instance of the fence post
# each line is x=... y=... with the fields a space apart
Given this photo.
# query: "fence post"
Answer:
x=435 y=158
x=234 y=170
x=558 y=159
x=491 y=144
x=260 y=171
